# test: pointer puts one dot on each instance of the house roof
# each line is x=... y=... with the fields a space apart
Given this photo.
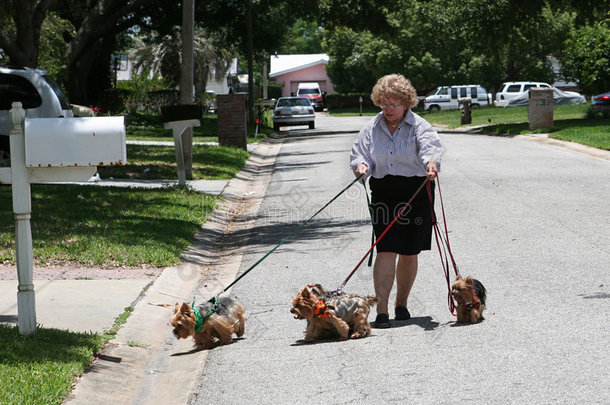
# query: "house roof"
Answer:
x=281 y=64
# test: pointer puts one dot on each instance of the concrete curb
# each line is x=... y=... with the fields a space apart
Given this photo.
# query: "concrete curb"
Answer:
x=144 y=363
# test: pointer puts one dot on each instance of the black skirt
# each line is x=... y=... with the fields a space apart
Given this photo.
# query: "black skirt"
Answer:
x=412 y=231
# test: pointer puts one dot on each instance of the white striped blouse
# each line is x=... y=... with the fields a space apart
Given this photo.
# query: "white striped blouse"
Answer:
x=405 y=153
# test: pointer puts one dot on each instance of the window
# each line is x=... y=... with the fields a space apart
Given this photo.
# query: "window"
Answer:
x=453 y=92
x=514 y=88
x=63 y=100
x=473 y=92
x=308 y=91
x=16 y=88
x=463 y=92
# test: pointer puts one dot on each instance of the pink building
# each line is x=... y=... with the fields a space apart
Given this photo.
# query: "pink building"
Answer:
x=294 y=69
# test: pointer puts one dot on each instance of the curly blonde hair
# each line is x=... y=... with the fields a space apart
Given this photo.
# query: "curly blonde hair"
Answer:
x=394 y=86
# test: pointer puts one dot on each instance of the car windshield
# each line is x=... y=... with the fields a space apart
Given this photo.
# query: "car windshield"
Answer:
x=309 y=91
x=293 y=102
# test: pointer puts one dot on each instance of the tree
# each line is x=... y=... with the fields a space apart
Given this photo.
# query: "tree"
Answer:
x=52 y=57
x=441 y=42
x=162 y=55
x=587 y=57
x=21 y=39
x=303 y=37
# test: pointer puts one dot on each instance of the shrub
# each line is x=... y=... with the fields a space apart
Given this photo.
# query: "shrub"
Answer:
x=351 y=100
x=113 y=100
x=595 y=112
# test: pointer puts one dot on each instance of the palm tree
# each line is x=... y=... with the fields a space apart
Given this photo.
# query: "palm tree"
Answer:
x=162 y=55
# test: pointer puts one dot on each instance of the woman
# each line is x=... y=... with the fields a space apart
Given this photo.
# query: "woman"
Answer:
x=397 y=150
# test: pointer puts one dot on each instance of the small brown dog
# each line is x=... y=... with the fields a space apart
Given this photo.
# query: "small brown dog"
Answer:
x=329 y=314
x=470 y=296
x=209 y=326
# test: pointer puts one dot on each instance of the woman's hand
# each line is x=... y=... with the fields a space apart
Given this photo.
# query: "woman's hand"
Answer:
x=431 y=170
x=362 y=169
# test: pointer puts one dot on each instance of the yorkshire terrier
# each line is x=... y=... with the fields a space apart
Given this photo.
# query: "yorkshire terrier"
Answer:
x=470 y=296
x=208 y=326
x=345 y=315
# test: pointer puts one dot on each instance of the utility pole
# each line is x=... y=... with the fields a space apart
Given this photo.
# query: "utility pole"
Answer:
x=186 y=79
x=265 y=94
x=250 y=68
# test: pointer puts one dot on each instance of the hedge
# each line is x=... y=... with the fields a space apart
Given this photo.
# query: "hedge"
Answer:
x=351 y=100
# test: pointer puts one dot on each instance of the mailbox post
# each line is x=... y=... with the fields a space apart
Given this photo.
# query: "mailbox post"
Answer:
x=178 y=118
x=22 y=209
x=466 y=113
x=51 y=150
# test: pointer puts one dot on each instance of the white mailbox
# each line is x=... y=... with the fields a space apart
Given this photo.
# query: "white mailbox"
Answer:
x=73 y=142
x=52 y=150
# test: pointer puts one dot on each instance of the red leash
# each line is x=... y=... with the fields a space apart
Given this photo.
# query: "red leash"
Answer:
x=439 y=239
x=408 y=204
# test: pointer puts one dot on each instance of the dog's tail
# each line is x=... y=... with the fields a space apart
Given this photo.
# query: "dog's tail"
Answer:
x=371 y=300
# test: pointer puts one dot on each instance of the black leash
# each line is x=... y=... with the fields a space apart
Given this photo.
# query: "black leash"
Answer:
x=288 y=237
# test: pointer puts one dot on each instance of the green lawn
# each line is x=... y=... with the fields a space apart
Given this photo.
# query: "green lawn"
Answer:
x=40 y=369
x=107 y=226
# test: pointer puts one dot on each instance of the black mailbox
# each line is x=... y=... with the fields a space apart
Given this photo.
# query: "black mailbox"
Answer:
x=181 y=112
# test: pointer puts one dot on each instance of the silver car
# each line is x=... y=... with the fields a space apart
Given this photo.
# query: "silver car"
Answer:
x=291 y=111
x=39 y=96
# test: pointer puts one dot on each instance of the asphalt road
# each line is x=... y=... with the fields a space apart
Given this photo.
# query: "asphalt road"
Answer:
x=526 y=218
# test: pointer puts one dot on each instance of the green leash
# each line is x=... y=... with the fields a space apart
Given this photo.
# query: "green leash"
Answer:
x=289 y=236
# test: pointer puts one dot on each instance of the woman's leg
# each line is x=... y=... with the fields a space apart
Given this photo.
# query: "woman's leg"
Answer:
x=406 y=272
x=383 y=277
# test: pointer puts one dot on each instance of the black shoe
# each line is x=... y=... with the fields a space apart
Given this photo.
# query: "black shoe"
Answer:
x=402 y=313
x=382 y=321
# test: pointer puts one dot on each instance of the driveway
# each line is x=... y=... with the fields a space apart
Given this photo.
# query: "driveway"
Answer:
x=528 y=219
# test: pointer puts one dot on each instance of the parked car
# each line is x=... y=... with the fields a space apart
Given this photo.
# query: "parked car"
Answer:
x=601 y=99
x=446 y=97
x=512 y=90
x=313 y=93
x=560 y=97
x=40 y=98
x=290 y=111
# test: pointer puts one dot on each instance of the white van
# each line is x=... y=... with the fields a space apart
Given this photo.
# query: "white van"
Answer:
x=313 y=93
x=446 y=97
